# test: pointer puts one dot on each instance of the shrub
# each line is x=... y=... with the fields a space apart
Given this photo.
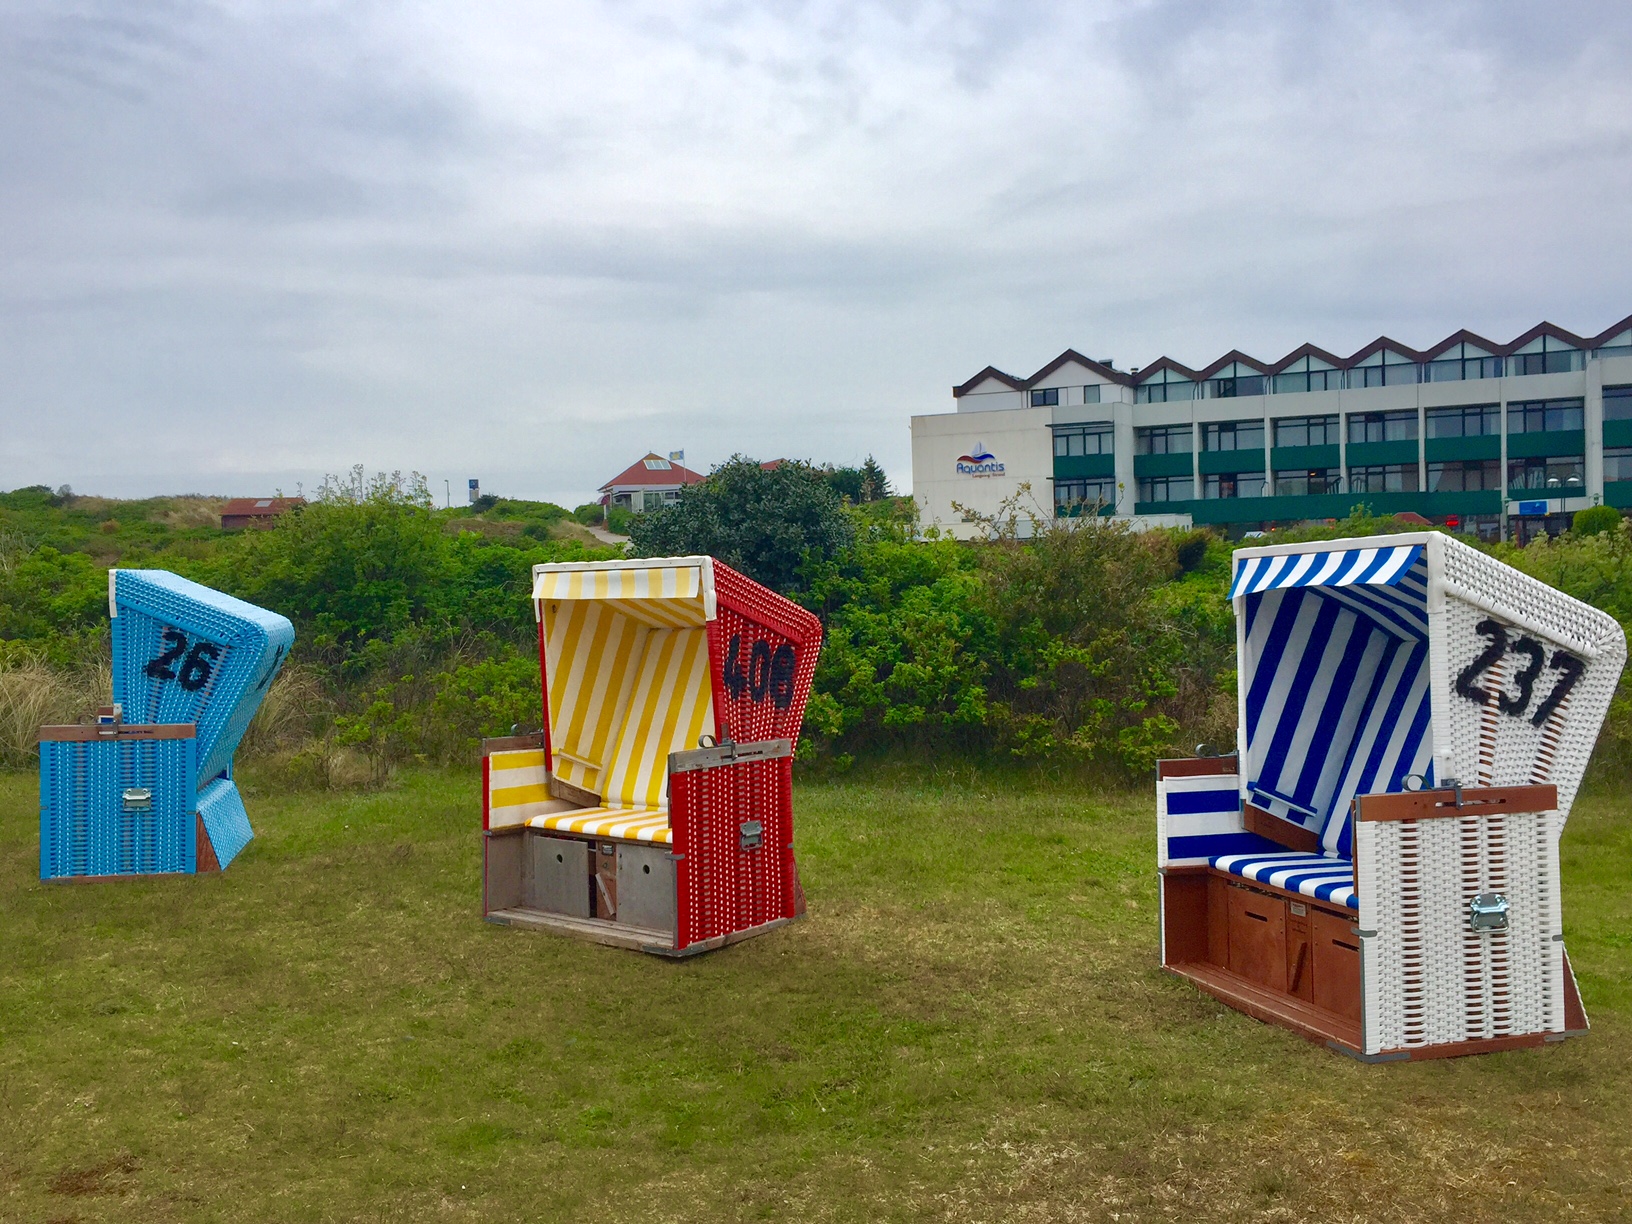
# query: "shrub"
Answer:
x=1595 y=520
x=765 y=522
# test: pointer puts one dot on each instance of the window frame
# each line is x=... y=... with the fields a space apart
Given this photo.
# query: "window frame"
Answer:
x=1216 y=481
x=1099 y=430
x=1331 y=477
x=1149 y=484
x=1143 y=435
x=1526 y=409
x=1383 y=420
x=1367 y=472
x=1331 y=428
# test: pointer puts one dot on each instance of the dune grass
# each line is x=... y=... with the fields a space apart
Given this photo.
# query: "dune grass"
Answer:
x=969 y=1026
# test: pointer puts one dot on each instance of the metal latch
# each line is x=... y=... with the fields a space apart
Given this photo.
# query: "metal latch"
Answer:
x=137 y=798
x=751 y=834
x=1488 y=912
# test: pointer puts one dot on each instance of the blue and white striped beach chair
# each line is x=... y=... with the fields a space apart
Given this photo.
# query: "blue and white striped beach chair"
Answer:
x=1377 y=865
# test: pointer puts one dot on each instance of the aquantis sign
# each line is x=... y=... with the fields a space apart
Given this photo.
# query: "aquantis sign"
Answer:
x=979 y=462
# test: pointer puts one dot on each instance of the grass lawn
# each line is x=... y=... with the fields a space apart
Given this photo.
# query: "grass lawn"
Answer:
x=968 y=1026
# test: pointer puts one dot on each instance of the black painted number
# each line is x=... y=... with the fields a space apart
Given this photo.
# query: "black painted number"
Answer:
x=782 y=670
x=1571 y=669
x=162 y=668
x=1467 y=682
x=735 y=679
x=766 y=672
x=271 y=671
x=1514 y=705
x=189 y=668
x=1526 y=679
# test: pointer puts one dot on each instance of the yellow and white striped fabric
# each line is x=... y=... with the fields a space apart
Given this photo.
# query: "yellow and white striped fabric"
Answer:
x=591 y=652
x=626 y=649
x=665 y=597
x=670 y=707
x=631 y=824
x=517 y=784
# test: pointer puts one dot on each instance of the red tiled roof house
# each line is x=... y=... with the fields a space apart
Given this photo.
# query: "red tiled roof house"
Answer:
x=243 y=512
x=650 y=484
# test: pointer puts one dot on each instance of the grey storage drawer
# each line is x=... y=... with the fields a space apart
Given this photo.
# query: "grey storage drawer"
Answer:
x=555 y=875
x=646 y=888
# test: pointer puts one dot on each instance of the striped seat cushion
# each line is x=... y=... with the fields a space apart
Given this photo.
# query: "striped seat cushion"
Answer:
x=1313 y=875
x=626 y=824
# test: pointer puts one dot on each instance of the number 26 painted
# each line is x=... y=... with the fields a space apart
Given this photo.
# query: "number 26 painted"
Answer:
x=189 y=668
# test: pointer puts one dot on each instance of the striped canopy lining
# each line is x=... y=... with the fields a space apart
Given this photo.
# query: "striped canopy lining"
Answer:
x=1336 y=677
x=623 y=695
x=662 y=597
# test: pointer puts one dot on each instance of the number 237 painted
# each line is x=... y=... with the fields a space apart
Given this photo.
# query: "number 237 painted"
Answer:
x=1514 y=705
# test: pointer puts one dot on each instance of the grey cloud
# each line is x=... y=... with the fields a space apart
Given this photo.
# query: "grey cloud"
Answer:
x=519 y=243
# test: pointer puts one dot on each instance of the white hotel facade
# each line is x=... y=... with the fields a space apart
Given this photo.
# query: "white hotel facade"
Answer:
x=1487 y=437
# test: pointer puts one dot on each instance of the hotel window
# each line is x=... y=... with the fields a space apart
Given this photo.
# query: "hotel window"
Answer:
x=1477 y=421
x=1544 y=416
x=1164 y=440
x=1072 y=495
x=1306 y=431
x=1546 y=355
x=1384 y=369
x=1090 y=395
x=1164 y=387
x=1165 y=488
x=1232 y=435
x=1618 y=403
x=1617 y=463
x=1233 y=484
x=1462 y=361
x=1382 y=427
x=1560 y=475
x=1383 y=478
x=1071 y=441
x=1307 y=374
x=1464 y=476
x=1234 y=381
x=1305 y=481
x=1618 y=346
x=1048 y=397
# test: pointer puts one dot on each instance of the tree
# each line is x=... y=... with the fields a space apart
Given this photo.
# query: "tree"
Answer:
x=875 y=486
x=845 y=481
x=766 y=523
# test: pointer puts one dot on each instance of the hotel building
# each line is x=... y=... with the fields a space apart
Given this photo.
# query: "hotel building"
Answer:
x=1494 y=439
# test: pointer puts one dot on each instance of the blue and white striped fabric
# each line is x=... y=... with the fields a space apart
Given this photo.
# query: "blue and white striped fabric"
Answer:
x=1311 y=875
x=1324 y=568
x=1335 y=676
x=1199 y=817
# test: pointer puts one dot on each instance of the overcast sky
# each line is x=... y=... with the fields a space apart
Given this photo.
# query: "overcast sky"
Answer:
x=247 y=244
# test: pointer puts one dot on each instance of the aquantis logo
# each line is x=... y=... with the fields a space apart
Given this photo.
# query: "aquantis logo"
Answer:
x=979 y=462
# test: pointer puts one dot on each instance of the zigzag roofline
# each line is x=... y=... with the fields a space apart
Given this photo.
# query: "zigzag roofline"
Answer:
x=1134 y=378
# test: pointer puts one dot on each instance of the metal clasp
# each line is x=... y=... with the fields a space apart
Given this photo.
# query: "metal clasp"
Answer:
x=1488 y=912
x=750 y=835
x=137 y=798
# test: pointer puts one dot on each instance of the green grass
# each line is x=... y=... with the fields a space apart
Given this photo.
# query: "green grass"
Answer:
x=969 y=1026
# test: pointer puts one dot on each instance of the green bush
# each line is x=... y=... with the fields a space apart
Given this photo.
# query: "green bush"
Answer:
x=1595 y=520
x=764 y=522
x=1060 y=644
